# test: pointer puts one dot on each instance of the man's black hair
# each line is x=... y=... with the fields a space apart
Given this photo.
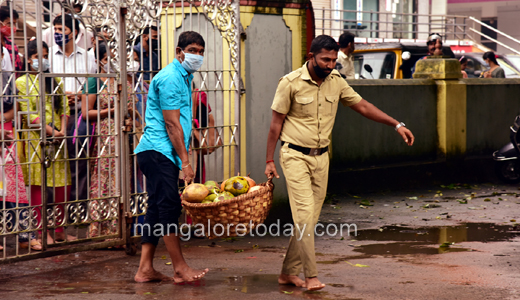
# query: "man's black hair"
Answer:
x=345 y=39
x=5 y=13
x=148 y=30
x=323 y=42
x=190 y=37
x=68 y=21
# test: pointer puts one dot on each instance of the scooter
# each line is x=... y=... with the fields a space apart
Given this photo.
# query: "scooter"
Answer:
x=507 y=166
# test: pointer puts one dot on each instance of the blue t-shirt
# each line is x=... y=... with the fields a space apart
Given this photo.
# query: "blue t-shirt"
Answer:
x=170 y=89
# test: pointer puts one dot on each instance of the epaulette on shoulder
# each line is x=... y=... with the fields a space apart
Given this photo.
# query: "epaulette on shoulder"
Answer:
x=335 y=73
x=293 y=75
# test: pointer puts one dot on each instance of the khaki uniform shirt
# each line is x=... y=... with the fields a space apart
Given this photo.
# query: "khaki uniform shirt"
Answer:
x=348 y=65
x=310 y=109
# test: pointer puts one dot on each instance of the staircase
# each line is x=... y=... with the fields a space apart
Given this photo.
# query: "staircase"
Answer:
x=377 y=27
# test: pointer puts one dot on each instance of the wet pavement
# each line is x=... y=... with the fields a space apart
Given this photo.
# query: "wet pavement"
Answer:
x=449 y=242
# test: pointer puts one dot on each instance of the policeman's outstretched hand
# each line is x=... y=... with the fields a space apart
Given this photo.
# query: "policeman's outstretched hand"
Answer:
x=406 y=135
x=270 y=170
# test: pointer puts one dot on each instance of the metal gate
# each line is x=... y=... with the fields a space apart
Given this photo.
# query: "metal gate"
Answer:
x=69 y=177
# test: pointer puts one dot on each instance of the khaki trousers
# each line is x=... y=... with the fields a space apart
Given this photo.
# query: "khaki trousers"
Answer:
x=306 y=178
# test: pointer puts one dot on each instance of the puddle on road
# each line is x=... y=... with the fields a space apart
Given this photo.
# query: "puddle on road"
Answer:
x=263 y=284
x=426 y=240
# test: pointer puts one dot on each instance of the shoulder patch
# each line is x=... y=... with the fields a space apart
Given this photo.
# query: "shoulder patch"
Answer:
x=293 y=75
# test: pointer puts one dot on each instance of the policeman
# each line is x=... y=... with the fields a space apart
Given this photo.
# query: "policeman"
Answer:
x=304 y=109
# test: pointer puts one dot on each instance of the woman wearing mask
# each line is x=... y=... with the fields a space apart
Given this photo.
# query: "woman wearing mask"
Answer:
x=12 y=182
x=100 y=109
x=495 y=71
x=8 y=28
x=55 y=125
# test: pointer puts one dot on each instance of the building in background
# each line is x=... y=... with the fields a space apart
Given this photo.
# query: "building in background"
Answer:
x=502 y=15
x=412 y=20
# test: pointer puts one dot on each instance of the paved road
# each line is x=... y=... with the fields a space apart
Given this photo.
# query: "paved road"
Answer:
x=395 y=255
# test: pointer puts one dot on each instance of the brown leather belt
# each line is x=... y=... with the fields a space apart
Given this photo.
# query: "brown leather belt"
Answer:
x=308 y=151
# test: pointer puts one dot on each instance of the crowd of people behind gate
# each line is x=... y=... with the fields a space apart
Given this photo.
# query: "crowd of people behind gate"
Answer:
x=79 y=125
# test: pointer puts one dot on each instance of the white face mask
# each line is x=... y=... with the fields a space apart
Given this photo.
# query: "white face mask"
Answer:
x=107 y=68
x=132 y=67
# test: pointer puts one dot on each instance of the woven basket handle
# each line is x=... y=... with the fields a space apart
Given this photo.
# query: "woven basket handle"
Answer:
x=269 y=182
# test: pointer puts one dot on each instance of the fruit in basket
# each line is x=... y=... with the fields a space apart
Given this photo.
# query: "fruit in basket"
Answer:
x=237 y=185
x=227 y=194
x=224 y=196
x=250 y=180
x=210 y=197
x=210 y=183
x=255 y=188
x=195 y=192
x=223 y=185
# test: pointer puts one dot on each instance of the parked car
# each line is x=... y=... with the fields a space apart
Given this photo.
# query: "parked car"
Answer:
x=476 y=65
x=513 y=60
x=389 y=60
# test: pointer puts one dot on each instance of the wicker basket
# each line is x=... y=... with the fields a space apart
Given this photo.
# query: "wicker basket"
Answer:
x=248 y=209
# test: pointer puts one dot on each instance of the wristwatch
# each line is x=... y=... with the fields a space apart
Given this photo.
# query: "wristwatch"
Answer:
x=399 y=126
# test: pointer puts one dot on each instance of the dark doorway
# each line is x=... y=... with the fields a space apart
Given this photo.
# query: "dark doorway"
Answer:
x=492 y=34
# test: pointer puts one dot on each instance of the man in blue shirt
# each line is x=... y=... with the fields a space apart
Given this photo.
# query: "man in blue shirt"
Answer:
x=163 y=152
x=149 y=46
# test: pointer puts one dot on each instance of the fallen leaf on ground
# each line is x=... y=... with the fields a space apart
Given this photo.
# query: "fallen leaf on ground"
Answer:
x=412 y=198
x=288 y=293
x=168 y=263
x=446 y=245
x=357 y=265
x=239 y=250
x=366 y=203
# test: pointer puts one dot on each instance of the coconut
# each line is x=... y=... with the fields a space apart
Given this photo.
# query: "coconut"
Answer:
x=237 y=185
x=210 y=183
x=195 y=192
x=250 y=181
x=224 y=196
x=223 y=185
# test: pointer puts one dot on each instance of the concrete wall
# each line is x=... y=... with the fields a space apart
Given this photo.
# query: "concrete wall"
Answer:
x=268 y=58
x=358 y=142
x=492 y=105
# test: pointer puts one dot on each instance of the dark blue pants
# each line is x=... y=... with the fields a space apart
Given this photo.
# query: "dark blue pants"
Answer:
x=164 y=202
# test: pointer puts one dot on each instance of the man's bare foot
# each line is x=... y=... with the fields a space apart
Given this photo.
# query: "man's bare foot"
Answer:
x=150 y=275
x=188 y=275
x=291 y=279
x=313 y=284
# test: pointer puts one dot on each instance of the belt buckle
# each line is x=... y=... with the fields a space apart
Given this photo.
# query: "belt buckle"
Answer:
x=315 y=152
